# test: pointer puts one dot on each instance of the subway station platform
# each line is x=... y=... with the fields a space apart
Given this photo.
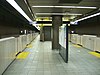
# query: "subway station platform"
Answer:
x=42 y=60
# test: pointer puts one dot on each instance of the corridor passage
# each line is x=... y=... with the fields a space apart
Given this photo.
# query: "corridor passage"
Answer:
x=42 y=60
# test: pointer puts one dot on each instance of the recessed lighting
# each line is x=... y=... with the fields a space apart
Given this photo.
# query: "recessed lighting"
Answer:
x=72 y=31
x=68 y=24
x=79 y=7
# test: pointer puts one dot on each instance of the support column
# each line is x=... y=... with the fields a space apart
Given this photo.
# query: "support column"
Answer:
x=56 y=22
x=41 y=34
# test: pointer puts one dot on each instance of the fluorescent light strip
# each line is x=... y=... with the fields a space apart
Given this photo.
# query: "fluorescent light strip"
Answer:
x=35 y=25
x=29 y=9
x=18 y=8
x=80 y=7
x=43 y=6
x=73 y=14
x=25 y=1
x=88 y=17
x=57 y=14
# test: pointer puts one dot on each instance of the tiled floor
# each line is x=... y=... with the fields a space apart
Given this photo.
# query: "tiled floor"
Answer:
x=43 y=61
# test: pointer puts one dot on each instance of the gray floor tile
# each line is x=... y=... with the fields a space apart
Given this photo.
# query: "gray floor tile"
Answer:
x=32 y=73
x=43 y=61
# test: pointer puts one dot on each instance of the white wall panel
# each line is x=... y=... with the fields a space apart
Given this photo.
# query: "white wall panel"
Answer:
x=24 y=41
x=7 y=52
x=88 y=41
x=2 y=66
x=10 y=46
x=28 y=41
x=19 y=42
x=79 y=39
x=30 y=37
x=74 y=38
x=97 y=44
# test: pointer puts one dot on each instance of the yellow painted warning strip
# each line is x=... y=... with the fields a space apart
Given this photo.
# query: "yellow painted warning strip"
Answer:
x=23 y=55
x=95 y=54
x=29 y=46
x=77 y=46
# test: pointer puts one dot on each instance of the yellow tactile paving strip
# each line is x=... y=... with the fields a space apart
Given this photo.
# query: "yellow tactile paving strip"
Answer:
x=23 y=55
x=77 y=46
x=95 y=54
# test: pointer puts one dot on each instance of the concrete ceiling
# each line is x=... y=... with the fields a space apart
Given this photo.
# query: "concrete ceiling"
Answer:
x=94 y=3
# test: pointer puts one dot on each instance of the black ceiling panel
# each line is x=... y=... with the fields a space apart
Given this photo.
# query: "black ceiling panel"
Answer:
x=70 y=1
x=50 y=22
x=24 y=6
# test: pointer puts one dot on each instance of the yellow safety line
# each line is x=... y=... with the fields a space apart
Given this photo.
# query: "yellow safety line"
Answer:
x=23 y=55
x=95 y=54
x=77 y=46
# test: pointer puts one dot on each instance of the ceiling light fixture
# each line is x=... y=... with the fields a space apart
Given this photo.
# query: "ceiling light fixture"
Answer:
x=43 y=6
x=18 y=8
x=79 y=7
x=57 y=14
x=88 y=17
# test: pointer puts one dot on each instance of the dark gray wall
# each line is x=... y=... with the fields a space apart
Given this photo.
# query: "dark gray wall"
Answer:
x=47 y=33
x=12 y=22
x=89 y=26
